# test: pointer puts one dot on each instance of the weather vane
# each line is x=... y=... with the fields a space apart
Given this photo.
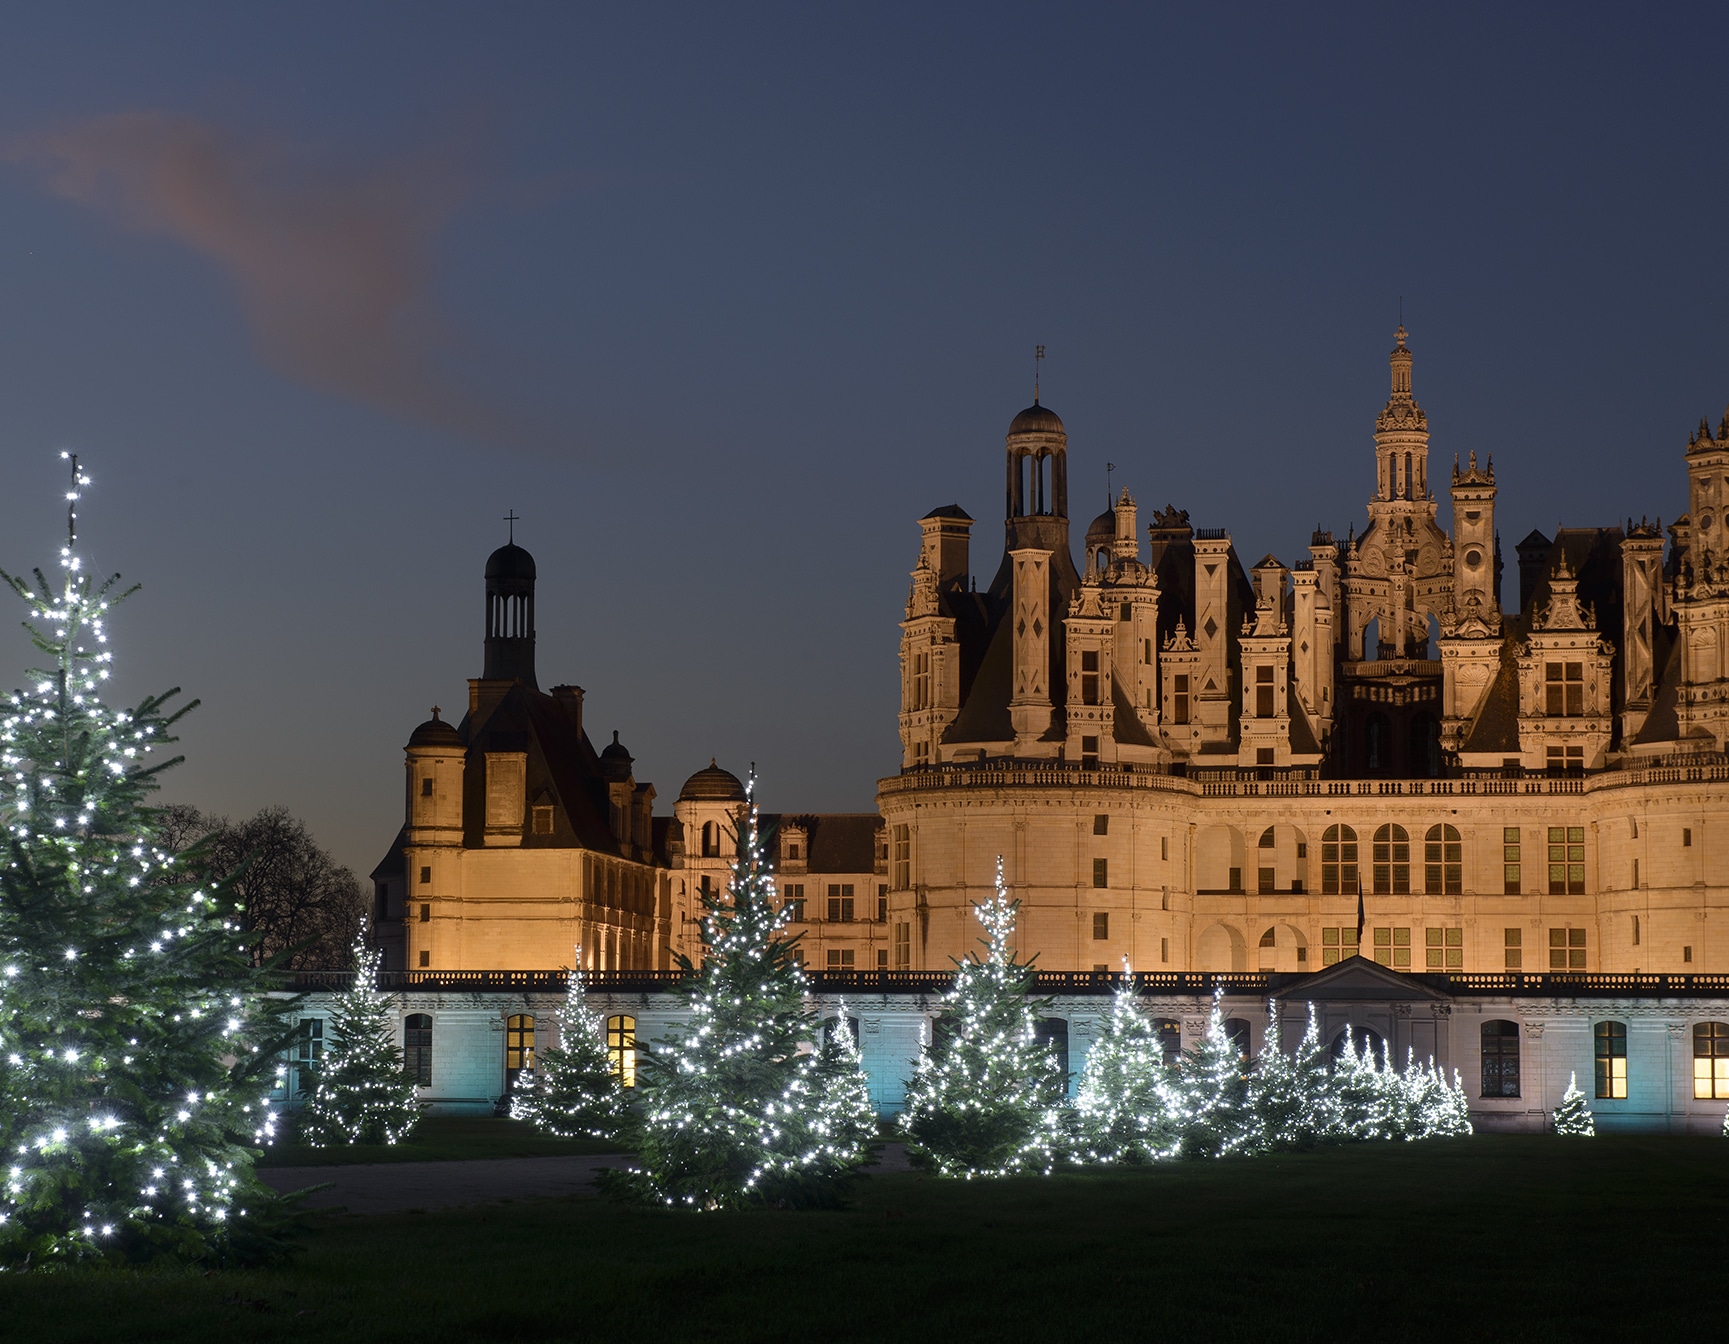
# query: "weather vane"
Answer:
x=1038 y=354
x=1110 y=495
x=513 y=520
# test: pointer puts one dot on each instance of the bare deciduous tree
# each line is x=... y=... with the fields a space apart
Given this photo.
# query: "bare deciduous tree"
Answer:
x=293 y=894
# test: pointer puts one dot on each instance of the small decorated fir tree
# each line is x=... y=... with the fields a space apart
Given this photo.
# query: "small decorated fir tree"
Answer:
x=1573 y=1117
x=1357 y=1092
x=135 y=1046
x=987 y=1096
x=363 y=1093
x=573 y=1090
x=1218 y=1117
x=1124 y=1106
x=738 y=1105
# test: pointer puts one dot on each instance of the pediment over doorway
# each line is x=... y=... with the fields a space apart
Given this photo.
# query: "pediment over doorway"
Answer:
x=1357 y=979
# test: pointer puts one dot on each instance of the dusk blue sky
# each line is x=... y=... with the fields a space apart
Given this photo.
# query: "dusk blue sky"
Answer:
x=720 y=300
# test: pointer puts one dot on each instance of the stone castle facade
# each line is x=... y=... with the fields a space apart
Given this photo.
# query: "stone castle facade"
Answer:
x=1193 y=765
x=1184 y=763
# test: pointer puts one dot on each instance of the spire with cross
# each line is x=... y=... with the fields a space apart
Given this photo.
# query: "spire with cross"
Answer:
x=511 y=519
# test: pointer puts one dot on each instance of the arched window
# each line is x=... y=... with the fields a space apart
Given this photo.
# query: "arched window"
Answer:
x=711 y=840
x=1268 y=939
x=1442 y=861
x=621 y=1048
x=417 y=1047
x=1339 y=861
x=1711 y=1059
x=1265 y=869
x=1611 y=1039
x=1054 y=1032
x=518 y=1047
x=1237 y=1029
x=1500 y=1059
x=1392 y=861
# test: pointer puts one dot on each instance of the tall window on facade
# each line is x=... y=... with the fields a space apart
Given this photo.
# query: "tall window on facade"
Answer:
x=417 y=1047
x=903 y=857
x=1711 y=1059
x=711 y=840
x=1265 y=873
x=1339 y=861
x=1393 y=948
x=1170 y=1039
x=1510 y=860
x=1566 y=949
x=1444 y=949
x=840 y=902
x=1564 y=690
x=1101 y=926
x=1238 y=1034
x=1337 y=944
x=903 y=947
x=1089 y=676
x=621 y=1048
x=1443 y=861
x=309 y=1049
x=1263 y=692
x=518 y=1047
x=794 y=901
x=1513 y=949
x=1500 y=1059
x=1611 y=1040
x=921 y=680
x=1101 y=872
x=1180 y=698
x=1392 y=861
x=1566 y=860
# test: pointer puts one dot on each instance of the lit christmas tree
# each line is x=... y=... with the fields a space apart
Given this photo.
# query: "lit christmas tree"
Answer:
x=1291 y=1094
x=738 y=1104
x=987 y=1098
x=573 y=1090
x=1217 y=1115
x=135 y=1050
x=1573 y=1117
x=1124 y=1106
x=363 y=1092
x=1357 y=1091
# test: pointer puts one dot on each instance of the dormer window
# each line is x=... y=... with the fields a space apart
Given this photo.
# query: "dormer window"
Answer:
x=1564 y=690
x=543 y=821
x=792 y=850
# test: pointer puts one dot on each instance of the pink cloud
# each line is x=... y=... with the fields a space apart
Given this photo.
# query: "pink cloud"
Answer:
x=333 y=266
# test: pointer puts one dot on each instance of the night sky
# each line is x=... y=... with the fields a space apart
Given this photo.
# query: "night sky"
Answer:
x=721 y=302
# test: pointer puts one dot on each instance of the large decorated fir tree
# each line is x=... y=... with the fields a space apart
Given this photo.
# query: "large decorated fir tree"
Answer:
x=136 y=1052
x=363 y=1092
x=1124 y=1104
x=573 y=1091
x=739 y=1104
x=1291 y=1094
x=987 y=1098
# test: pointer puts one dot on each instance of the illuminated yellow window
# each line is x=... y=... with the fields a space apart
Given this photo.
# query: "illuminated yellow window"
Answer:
x=1611 y=1040
x=1337 y=944
x=518 y=1044
x=621 y=1048
x=1711 y=1059
x=1393 y=948
x=1444 y=949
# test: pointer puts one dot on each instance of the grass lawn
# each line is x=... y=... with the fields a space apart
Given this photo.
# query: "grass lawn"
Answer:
x=439 y=1138
x=1492 y=1238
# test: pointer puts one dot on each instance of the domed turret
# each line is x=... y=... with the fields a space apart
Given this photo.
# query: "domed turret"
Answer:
x=510 y=615
x=435 y=732
x=1037 y=419
x=615 y=761
x=712 y=785
x=1101 y=533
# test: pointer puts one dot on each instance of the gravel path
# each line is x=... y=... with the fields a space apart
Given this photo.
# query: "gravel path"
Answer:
x=399 y=1187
